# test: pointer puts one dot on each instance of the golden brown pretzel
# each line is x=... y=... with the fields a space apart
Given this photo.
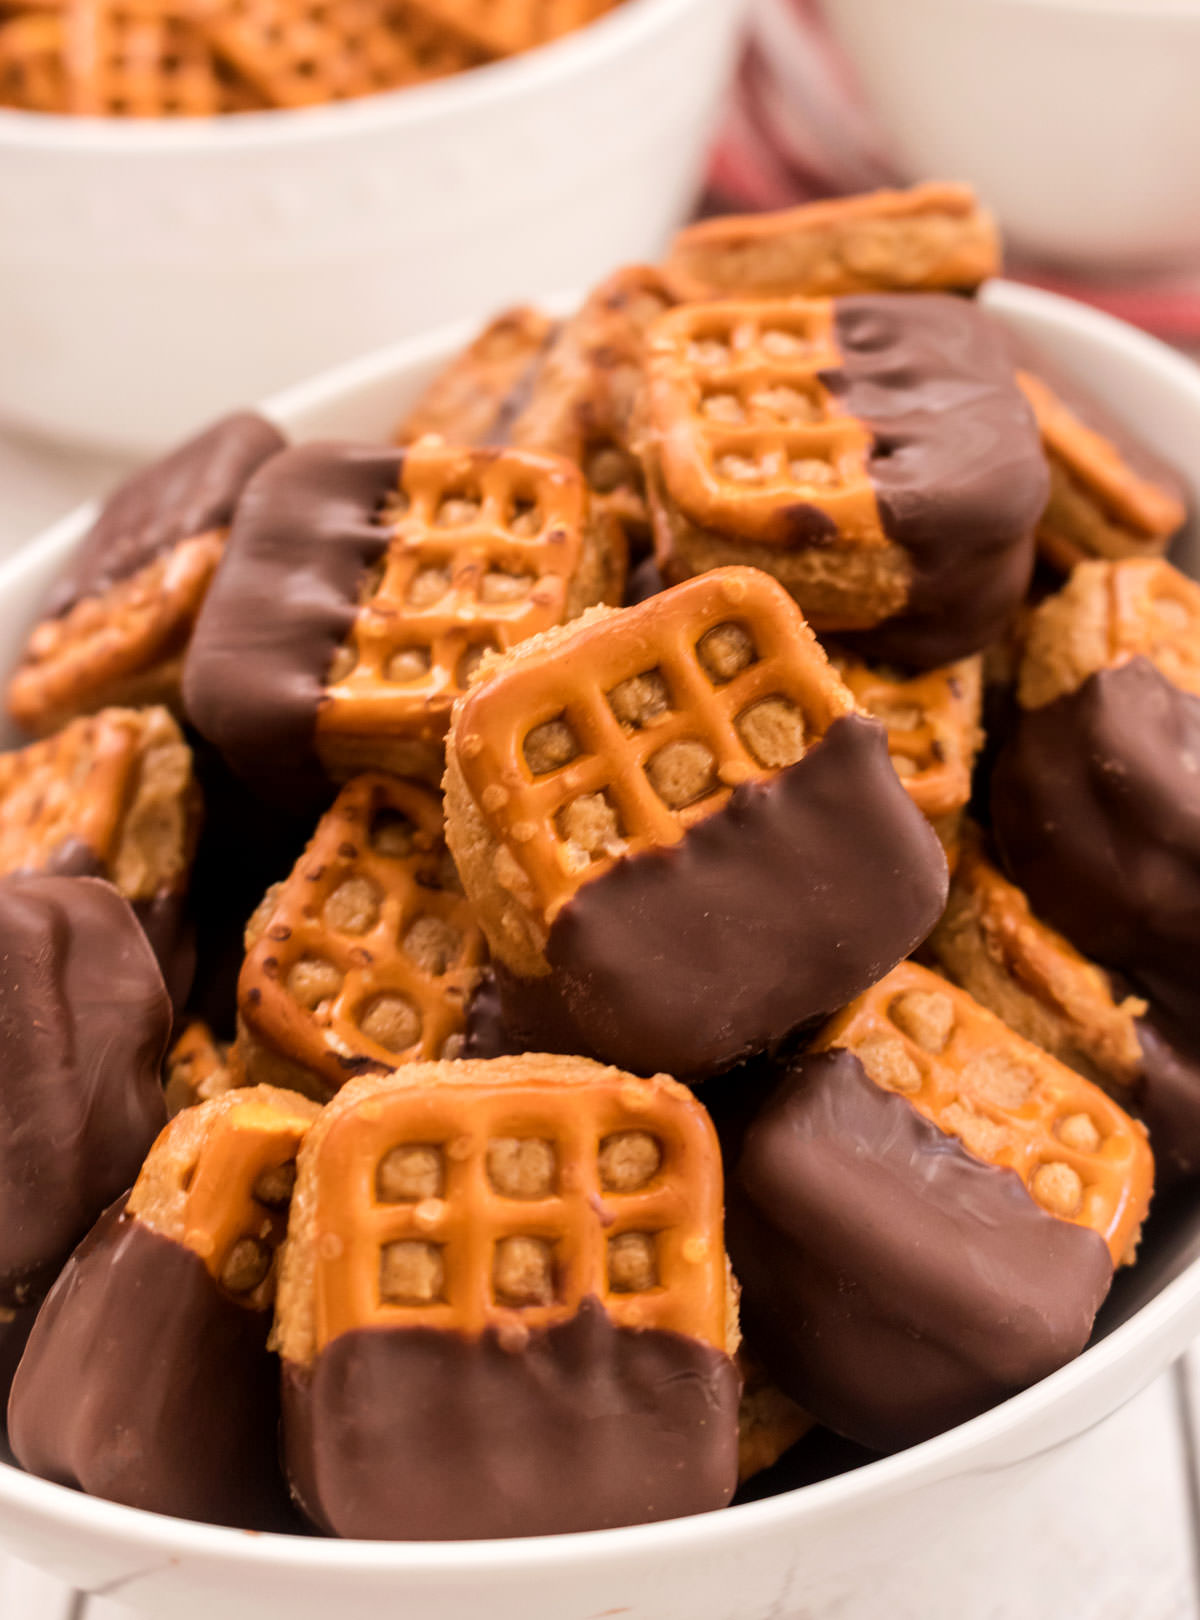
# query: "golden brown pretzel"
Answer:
x=115 y=788
x=1106 y=614
x=1100 y=504
x=933 y=731
x=931 y=236
x=1011 y=1104
x=219 y=1180
x=366 y=955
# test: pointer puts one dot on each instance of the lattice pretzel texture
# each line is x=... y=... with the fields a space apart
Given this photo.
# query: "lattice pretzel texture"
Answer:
x=219 y=1180
x=503 y=1194
x=484 y=549
x=1078 y=1153
x=620 y=736
x=367 y=953
x=745 y=427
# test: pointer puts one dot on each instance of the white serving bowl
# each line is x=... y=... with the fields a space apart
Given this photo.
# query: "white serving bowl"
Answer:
x=1078 y=120
x=751 y=1562
x=154 y=273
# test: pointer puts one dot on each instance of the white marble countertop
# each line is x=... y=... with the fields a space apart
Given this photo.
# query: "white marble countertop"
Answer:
x=1109 y=1529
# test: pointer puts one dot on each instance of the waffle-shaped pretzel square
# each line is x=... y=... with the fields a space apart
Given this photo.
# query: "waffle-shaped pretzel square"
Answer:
x=517 y=1228
x=924 y=1214
x=1106 y=614
x=112 y=795
x=1081 y=1157
x=507 y=27
x=933 y=236
x=385 y=576
x=119 y=618
x=821 y=439
x=474 y=398
x=933 y=731
x=1109 y=497
x=176 y=1282
x=707 y=726
x=366 y=956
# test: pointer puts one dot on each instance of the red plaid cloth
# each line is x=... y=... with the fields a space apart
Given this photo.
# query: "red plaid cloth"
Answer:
x=797 y=128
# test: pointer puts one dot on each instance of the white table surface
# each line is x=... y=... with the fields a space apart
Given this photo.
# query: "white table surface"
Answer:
x=1109 y=1529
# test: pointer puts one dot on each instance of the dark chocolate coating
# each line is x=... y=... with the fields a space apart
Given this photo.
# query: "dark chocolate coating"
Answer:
x=283 y=601
x=1168 y=1100
x=795 y=896
x=957 y=465
x=411 y=1434
x=891 y=1283
x=144 y=1384
x=485 y=1034
x=643 y=582
x=187 y=493
x=1096 y=812
x=164 y=917
x=84 y=1023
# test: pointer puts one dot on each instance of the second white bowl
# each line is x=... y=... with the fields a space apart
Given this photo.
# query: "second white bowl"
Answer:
x=1078 y=120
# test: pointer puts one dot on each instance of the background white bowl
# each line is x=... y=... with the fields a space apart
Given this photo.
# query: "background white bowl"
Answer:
x=752 y=1562
x=153 y=274
x=1078 y=120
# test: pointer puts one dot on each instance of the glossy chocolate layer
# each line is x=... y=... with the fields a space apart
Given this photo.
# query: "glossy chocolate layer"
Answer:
x=891 y=1283
x=485 y=1034
x=187 y=493
x=144 y=1384
x=1096 y=811
x=283 y=601
x=957 y=466
x=411 y=1434
x=1168 y=1099
x=84 y=1023
x=796 y=895
x=164 y=917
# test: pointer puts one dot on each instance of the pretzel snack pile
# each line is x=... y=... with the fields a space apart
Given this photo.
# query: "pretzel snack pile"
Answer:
x=546 y=959
x=201 y=58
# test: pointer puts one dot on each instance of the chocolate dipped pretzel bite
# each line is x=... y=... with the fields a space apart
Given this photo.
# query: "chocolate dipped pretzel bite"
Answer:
x=926 y=1215
x=680 y=836
x=119 y=618
x=360 y=590
x=1096 y=796
x=503 y=1308
x=874 y=453
x=147 y=1378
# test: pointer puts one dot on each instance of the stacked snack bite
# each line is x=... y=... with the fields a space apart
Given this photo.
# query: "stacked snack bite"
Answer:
x=706 y=837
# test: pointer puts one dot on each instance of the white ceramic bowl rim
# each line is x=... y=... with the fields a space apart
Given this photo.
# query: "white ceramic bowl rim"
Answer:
x=947 y=1453
x=631 y=26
